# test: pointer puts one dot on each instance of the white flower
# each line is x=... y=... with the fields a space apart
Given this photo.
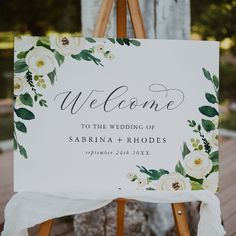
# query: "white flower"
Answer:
x=40 y=61
x=211 y=182
x=173 y=182
x=131 y=176
x=214 y=139
x=67 y=46
x=142 y=182
x=99 y=48
x=20 y=85
x=24 y=43
x=109 y=55
x=197 y=164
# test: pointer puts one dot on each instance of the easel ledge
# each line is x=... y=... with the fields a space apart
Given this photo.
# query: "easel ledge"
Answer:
x=139 y=31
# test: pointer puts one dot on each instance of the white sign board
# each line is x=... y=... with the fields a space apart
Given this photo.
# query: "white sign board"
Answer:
x=95 y=114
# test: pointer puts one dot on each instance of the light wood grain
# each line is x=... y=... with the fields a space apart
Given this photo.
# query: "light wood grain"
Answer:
x=180 y=217
x=45 y=228
x=103 y=18
x=121 y=18
x=136 y=19
x=120 y=226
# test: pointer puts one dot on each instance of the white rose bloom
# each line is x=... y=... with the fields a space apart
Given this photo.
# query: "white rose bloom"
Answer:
x=173 y=182
x=40 y=60
x=20 y=85
x=131 y=176
x=67 y=46
x=24 y=43
x=197 y=164
x=211 y=182
x=142 y=182
x=214 y=139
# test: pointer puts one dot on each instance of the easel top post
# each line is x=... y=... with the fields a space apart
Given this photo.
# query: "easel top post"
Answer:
x=135 y=14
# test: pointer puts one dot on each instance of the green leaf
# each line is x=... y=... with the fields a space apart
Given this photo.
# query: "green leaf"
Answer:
x=200 y=181
x=24 y=114
x=126 y=41
x=211 y=98
x=135 y=42
x=91 y=40
x=215 y=168
x=15 y=145
x=214 y=156
x=26 y=99
x=22 y=55
x=208 y=111
x=112 y=40
x=150 y=189
x=35 y=97
x=20 y=66
x=52 y=76
x=43 y=43
x=60 y=58
x=21 y=126
x=196 y=186
x=180 y=169
x=153 y=174
x=77 y=57
x=163 y=172
x=87 y=56
x=199 y=127
x=206 y=73
x=192 y=123
x=23 y=151
x=185 y=150
x=45 y=40
x=208 y=125
x=120 y=41
x=215 y=81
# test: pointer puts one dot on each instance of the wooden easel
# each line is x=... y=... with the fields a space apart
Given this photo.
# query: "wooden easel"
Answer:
x=139 y=31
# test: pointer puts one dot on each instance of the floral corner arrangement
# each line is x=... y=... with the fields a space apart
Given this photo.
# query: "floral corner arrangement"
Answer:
x=37 y=60
x=198 y=168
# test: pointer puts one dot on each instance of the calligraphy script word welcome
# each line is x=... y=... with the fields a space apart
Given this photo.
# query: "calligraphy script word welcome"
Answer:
x=168 y=99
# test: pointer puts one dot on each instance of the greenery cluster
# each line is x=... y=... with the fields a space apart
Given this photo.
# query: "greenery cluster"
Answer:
x=201 y=143
x=37 y=81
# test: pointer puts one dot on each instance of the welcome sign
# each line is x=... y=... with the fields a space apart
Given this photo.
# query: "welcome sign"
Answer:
x=115 y=114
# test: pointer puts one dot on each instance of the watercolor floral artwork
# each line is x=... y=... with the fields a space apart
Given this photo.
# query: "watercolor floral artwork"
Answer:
x=36 y=63
x=199 y=166
x=132 y=114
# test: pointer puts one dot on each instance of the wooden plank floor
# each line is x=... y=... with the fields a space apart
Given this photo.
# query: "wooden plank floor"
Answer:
x=6 y=180
x=227 y=192
x=227 y=184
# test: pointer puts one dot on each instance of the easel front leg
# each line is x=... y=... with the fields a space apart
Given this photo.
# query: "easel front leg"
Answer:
x=120 y=225
x=180 y=217
x=45 y=228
